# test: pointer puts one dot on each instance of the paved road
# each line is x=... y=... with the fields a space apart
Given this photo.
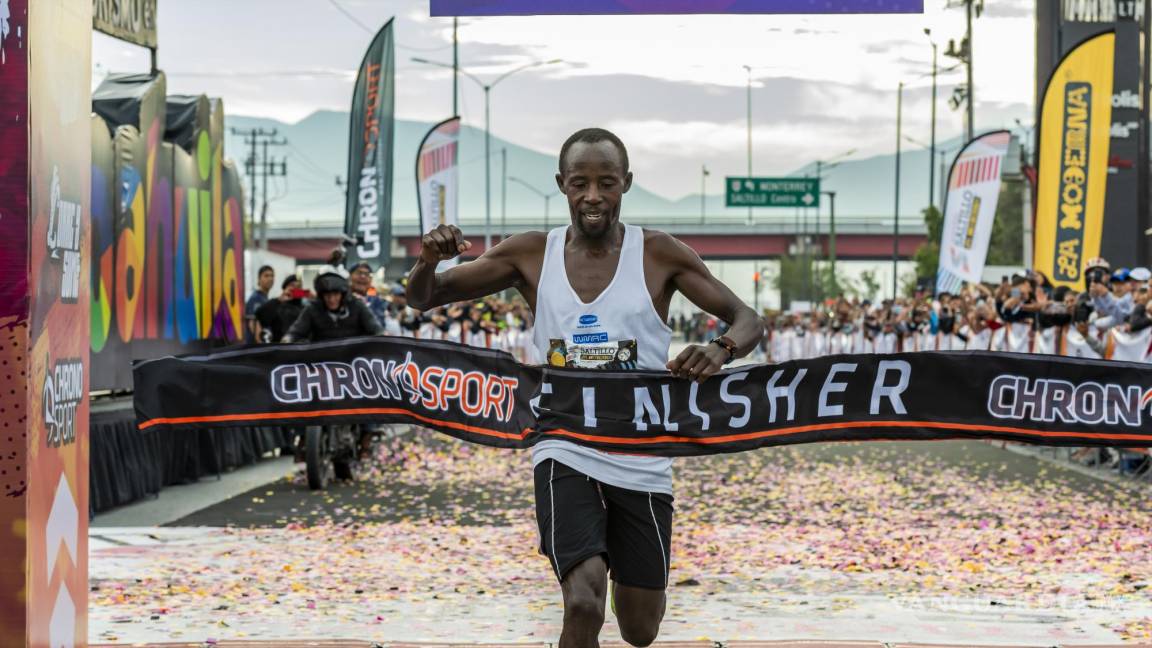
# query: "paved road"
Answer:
x=900 y=541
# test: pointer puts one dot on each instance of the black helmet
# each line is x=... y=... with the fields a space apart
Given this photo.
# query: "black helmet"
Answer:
x=330 y=282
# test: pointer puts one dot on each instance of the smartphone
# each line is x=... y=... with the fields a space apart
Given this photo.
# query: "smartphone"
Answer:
x=299 y=293
x=1015 y=293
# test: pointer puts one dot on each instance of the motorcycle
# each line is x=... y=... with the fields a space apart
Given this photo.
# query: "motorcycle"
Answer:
x=333 y=452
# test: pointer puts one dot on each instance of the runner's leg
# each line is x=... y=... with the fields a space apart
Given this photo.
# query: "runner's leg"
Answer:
x=639 y=550
x=572 y=520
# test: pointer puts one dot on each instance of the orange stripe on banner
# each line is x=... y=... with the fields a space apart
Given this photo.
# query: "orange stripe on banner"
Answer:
x=238 y=418
x=749 y=436
x=727 y=438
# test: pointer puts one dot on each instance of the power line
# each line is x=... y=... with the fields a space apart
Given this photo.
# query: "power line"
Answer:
x=368 y=29
x=264 y=168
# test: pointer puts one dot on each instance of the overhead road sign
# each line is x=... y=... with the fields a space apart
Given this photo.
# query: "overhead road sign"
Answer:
x=772 y=192
x=601 y=7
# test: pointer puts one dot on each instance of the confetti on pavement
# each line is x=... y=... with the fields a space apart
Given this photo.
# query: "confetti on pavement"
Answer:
x=437 y=541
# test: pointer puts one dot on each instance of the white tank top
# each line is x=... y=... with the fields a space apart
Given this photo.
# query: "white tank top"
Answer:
x=619 y=329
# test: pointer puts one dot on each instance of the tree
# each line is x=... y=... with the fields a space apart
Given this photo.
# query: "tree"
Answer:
x=869 y=286
x=804 y=278
x=927 y=256
x=1006 y=247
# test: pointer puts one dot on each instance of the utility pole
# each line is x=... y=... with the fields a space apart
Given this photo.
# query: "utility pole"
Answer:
x=270 y=168
x=971 y=89
x=967 y=94
x=252 y=168
x=896 y=211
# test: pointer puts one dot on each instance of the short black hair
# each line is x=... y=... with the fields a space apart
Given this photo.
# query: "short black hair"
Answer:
x=362 y=264
x=265 y=268
x=290 y=279
x=593 y=136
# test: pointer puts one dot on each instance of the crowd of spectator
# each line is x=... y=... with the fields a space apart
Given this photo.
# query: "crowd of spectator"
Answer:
x=490 y=322
x=1108 y=317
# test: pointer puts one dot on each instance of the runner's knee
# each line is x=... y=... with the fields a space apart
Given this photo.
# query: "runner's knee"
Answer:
x=585 y=591
x=584 y=610
x=639 y=634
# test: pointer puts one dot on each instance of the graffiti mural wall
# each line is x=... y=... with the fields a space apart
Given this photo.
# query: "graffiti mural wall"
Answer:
x=167 y=221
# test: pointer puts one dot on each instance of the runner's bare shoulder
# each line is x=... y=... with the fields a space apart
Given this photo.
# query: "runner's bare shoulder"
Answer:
x=663 y=248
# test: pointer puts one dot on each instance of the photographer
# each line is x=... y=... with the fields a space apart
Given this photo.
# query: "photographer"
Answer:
x=276 y=316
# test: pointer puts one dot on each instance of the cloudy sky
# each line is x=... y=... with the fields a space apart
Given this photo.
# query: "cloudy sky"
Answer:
x=673 y=87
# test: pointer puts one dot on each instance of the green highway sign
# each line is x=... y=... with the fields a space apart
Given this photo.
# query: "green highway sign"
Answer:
x=772 y=192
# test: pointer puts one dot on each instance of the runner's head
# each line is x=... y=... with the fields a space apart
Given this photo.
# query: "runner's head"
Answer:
x=594 y=177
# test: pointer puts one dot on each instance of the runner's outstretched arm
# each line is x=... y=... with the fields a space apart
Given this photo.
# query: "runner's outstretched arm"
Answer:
x=495 y=270
x=693 y=279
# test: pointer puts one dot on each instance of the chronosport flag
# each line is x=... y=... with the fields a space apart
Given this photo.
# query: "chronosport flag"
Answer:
x=1073 y=164
x=437 y=178
x=368 y=205
x=969 y=209
x=484 y=396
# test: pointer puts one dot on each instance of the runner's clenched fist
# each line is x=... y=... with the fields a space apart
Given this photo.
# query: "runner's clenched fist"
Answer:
x=443 y=243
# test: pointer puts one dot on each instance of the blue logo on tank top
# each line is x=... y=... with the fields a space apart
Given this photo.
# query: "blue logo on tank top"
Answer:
x=588 y=321
x=589 y=338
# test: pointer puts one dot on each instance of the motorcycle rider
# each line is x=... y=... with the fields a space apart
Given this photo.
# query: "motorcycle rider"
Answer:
x=334 y=314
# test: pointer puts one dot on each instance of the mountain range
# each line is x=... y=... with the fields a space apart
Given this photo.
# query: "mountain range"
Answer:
x=316 y=155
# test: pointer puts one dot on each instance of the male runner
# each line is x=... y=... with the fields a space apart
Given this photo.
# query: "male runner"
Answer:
x=600 y=291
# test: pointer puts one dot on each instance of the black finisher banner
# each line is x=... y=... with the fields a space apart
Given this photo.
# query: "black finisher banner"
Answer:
x=487 y=397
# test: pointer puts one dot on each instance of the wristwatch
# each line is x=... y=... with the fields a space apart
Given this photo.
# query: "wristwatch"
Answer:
x=727 y=344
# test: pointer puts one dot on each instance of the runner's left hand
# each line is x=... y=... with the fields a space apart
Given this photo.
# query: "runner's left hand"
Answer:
x=698 y=362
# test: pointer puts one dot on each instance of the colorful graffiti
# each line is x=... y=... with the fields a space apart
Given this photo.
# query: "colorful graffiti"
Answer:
x=168 y=241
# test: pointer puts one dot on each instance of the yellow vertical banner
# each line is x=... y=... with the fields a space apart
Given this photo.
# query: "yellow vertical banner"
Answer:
x=1073 y=163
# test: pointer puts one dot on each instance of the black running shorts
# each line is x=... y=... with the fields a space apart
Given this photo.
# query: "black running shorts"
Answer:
x=580 y=517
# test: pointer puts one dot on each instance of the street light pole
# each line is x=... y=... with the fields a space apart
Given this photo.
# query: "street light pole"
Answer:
x=487 y=174
x=487 y=131
x=896 y=211
x=455 y=69
x=832 y=233
x=503 y=193
x=547 y=196
x=932 y=141
x=749 y=69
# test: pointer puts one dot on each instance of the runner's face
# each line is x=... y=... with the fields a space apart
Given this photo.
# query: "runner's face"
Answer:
x=332 y=300
x=594 y=181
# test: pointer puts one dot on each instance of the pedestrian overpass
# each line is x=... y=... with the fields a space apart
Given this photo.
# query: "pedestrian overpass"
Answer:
x=715 y=238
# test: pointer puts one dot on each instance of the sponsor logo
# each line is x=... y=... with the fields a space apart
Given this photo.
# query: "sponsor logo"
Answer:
x=589 y=338
x=587 y=321
x=1050 y=400
x=63 y=391
x=63 y=238
x=1073 y=180
x=471 y=393
x=369 y=224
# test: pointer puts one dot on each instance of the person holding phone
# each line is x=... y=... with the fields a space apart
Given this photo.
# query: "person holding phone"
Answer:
x=276 y=315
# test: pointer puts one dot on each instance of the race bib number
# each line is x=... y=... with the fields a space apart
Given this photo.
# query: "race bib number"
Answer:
x=618 y=355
